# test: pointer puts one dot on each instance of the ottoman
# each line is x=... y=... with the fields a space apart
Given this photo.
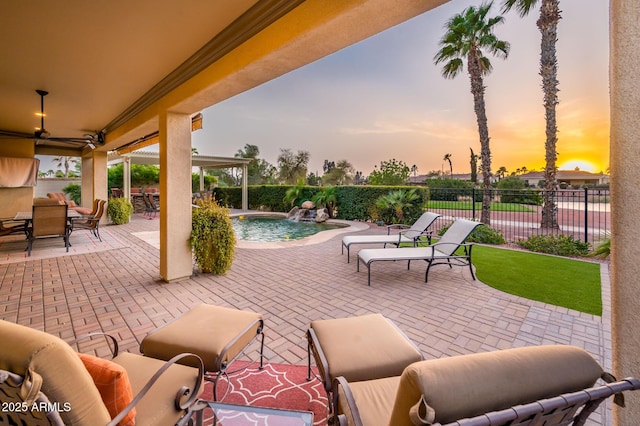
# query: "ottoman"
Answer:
x=359 y=348
x=216 y=334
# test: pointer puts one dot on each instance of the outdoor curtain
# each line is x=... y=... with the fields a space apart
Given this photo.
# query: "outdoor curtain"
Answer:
x=18 y=172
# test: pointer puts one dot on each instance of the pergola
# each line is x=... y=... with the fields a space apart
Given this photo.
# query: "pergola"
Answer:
x=200 y=161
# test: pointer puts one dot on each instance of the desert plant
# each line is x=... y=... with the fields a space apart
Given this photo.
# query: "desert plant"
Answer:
x=602 y=250
x=397 y=201
x=119 y=210
x=326 y=198
x=294 y=193
x=561 y=245
x=212 y=240
x=73 y=191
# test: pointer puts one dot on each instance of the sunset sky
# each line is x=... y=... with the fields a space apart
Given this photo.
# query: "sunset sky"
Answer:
x=384 y=98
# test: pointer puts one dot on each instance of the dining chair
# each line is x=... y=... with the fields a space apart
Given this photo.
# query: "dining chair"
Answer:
x=48 y=221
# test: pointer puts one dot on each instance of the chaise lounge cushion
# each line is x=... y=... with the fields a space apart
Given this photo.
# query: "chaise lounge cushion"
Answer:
x=470 y=385
x=113 y=384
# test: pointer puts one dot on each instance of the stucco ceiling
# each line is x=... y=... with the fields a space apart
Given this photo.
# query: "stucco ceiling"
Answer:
x=117 y=64
x=96 y=58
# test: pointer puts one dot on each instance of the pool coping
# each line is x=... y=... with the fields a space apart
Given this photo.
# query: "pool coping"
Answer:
x=320 y=237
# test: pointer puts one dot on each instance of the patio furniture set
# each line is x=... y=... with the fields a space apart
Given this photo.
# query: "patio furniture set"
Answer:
x=372 y=372
x=52 y=218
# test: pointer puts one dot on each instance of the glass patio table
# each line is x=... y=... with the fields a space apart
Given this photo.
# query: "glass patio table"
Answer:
x=242 y=415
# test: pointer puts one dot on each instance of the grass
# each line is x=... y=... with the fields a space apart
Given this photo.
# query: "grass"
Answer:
x=570 y=283
x=467 y=205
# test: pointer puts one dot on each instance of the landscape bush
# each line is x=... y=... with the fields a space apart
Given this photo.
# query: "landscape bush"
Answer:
x=119 y=210
x=560 y=245
x=212 y=240
x=483 y=234
x=512 y=190
x=74 y=192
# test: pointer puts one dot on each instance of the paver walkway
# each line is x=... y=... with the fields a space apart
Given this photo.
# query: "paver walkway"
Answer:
x=119 y=292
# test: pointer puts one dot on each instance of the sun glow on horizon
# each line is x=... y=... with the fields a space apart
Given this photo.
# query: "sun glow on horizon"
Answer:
x=583 y=165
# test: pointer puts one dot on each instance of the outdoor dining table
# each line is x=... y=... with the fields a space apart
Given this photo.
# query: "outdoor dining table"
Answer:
x=28 y=215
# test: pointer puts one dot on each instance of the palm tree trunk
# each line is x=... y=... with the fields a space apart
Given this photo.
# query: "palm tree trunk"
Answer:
x=548 y=25
x=477 y=89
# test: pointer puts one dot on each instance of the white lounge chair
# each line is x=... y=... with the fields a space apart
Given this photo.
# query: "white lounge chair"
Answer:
x=411 y=235
x=442 y=252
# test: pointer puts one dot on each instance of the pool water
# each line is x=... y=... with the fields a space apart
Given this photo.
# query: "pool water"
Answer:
x=276 y=228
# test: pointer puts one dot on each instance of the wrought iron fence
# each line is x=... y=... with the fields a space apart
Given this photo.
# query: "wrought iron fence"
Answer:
x=584 y=213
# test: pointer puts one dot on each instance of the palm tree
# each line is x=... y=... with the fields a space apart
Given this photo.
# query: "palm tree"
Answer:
x=501 y=173
x=467 y=36
x=548 y=25
x=64 y=160
x=397 y=201
x=447 y=157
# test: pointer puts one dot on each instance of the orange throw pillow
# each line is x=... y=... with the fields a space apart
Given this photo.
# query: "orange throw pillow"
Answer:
x=113 y=384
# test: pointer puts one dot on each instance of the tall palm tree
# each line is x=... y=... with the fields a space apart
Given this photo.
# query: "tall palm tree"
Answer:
x=447 y=157
x=468 y=35
x=548 y=25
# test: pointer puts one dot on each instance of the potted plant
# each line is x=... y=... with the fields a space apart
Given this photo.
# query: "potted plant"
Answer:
x=119 y=210
x=213 y=240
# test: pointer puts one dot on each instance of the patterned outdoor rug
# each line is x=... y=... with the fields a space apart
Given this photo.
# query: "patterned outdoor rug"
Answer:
x=12 y=247
x=275 y=386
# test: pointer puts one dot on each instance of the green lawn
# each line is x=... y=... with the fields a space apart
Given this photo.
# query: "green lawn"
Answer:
x=570 y=283
x=467 y=205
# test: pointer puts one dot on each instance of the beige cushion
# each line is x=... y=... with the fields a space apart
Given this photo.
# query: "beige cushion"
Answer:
x=364 y=347
x=374 y=399
x=157 y=407
x=65 y=380
x=470 y=385
x=207 y=331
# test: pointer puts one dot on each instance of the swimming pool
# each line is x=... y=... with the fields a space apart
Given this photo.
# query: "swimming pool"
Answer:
x=261 y=228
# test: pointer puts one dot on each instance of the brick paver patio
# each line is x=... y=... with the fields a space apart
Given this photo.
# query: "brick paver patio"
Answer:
x=119 y=291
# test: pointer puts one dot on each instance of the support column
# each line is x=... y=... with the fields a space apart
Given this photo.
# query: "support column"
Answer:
x=201 y=178
x=126 y=177
x=94 y=178
x=175 y=196
x=624 y=68
x=245 y=188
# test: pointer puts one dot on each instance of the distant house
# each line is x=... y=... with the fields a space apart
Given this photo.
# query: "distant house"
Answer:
x=577 y=178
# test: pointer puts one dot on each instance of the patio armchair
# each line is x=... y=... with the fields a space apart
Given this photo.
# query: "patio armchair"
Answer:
x=8 y=226
x=83 y=390
x=151 y=208
x=91 y=222
x=445 y=251
x=411 y=235
x=48 y=221
x=527 y=386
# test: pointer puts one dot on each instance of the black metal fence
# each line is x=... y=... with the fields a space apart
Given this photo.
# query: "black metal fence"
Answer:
x=584 y=213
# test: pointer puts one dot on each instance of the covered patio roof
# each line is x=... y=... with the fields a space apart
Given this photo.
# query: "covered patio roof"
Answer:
x=201 y=161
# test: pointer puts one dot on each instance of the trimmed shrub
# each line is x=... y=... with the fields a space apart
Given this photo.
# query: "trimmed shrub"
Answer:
x=119 y=210
x=212 y=240
x=560 y=245
x=483 y=234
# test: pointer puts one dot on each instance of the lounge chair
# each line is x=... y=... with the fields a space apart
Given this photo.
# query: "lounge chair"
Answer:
x=411 y=235
x=40 y=370
x=442 y=252
x=554 y=382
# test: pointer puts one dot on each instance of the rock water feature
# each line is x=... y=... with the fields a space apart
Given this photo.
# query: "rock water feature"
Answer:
x=308 y=213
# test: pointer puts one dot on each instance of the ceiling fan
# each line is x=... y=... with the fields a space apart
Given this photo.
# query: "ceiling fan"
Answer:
x=41 y=135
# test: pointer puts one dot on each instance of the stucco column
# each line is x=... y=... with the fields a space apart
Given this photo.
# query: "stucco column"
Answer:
x=126 y=177
x=625 y=199
x=94 y=178
x=175 y=196
x=245 y=188
x=201 y=178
